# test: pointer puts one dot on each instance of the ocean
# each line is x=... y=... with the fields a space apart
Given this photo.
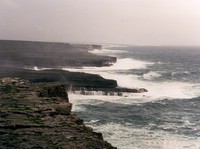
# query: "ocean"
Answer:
x=166 y=117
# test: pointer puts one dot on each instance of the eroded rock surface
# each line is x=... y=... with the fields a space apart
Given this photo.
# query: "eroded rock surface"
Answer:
x=32 y=119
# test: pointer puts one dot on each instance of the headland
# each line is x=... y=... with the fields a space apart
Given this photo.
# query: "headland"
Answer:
x=34 y=106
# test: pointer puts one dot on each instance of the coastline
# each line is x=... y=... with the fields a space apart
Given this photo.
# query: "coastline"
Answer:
x=17 y=56
x=20 y=103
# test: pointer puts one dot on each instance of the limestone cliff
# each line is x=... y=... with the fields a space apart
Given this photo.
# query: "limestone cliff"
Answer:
x=39 y=116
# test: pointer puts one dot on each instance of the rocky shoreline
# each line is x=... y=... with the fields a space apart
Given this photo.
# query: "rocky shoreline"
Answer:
x=118 y=91
x=27 y=54
x=17 y=56
x=35 y=111
x=39 y=116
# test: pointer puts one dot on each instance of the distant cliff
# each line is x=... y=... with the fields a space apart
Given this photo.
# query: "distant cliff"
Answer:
x=39 y=116
x=19 y=58
x=20 y=54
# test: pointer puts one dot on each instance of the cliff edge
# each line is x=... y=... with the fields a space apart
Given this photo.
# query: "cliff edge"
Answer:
x=38 y=115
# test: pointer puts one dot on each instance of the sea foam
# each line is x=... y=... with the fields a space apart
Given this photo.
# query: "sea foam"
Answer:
x=36 y=68
x=143 y=138
x=151 y=75
x=156 y=90
x=105 y=51
x=128 y=135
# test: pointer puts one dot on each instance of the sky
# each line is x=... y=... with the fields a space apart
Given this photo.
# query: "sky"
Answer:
x=139 y=22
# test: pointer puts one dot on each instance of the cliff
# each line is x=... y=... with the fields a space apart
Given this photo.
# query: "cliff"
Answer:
x=17 y=58
x=36 y=115
x=21 y=54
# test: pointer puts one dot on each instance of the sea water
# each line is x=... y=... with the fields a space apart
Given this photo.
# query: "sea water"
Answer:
x=166 y=117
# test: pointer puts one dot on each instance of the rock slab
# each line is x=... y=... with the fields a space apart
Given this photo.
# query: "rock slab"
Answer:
x=39 y=116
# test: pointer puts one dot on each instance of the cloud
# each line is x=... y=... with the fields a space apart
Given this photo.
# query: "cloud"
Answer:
x=7 y=4
x=152 y=22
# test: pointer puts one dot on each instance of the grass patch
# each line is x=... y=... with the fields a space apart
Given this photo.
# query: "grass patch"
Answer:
x=22 y=97
x=15 y=106
x=10 y=89
x=35 y=119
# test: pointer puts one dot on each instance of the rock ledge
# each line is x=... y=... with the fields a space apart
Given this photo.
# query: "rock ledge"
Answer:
x=39 y=116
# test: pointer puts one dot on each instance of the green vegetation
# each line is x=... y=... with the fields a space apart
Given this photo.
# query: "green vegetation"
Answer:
x=10 y=89
x=14 y=106
x=22 y=97
x=34 y=119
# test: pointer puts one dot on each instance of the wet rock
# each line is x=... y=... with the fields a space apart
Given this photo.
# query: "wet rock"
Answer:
x=79 y=121
x=117 y=91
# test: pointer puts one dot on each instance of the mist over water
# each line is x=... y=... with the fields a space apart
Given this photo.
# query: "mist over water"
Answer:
x=165 y=117
x=153 y=74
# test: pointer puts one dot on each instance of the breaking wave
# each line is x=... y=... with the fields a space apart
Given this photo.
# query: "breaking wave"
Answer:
x=105 y=51
x=165 y=117
x=156 y=90
x=35 y=68
x=121 y=64
x=151 y=75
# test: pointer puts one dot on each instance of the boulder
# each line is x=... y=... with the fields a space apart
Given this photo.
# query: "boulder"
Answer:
x=142 y=90
x=63 y=108
x=53 y=90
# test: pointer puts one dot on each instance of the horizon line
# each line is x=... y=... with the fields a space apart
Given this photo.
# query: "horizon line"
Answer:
x=101 y=43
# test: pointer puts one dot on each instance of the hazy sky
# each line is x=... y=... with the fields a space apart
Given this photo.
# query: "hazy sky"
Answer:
x=141 y=22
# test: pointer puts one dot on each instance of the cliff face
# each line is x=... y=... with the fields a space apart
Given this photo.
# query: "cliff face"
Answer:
x=20 y=54
x=39 y=116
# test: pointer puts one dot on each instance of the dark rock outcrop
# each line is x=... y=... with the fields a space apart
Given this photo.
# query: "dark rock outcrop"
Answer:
x=19 y=58
x=31 y=121
x=20 y=54
x=117 y=91
x=77 y=79
x=53 y=90
x=142 y=90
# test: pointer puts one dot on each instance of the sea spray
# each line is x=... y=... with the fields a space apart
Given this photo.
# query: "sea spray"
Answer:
x=165 y=117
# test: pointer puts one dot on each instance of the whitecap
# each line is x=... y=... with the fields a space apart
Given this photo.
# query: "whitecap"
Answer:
x=120 y=71
x=156 y=90
x=35 y=68
x=106 y=51
x=126 y=136
x=151 y=75
x=174 y=73
x=92 y=121
x=121 y=64
x=159 y=62
x=186 y=72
